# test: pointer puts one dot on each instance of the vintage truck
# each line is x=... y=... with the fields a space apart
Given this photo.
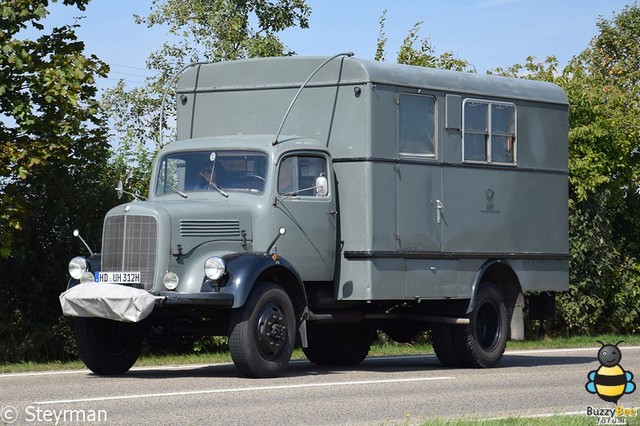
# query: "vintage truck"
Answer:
x=316 y=200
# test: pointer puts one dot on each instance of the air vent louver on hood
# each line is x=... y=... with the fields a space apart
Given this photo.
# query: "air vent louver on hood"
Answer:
x=209 y=228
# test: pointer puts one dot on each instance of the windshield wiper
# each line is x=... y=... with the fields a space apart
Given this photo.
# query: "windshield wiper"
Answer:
x=220 y=190
x=177 y=191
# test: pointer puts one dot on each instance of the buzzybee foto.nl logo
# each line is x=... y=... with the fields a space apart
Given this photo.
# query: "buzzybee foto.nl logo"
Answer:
x=610 y=382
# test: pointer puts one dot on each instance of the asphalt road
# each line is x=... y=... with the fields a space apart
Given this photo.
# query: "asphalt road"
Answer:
x=385 y=390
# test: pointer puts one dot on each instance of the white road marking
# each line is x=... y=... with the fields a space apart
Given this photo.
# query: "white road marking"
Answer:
x=536 y=416
x=541 y=351
x=247 y=389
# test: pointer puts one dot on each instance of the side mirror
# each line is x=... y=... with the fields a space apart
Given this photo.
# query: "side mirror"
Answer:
x=322 y=186
x=119 y=190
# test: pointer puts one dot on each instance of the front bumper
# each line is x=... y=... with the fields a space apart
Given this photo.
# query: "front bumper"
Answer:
x=201 y=299
x=109 y=301
x=127 y=304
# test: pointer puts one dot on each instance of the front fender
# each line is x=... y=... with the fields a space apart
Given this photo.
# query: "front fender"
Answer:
x=245 y=269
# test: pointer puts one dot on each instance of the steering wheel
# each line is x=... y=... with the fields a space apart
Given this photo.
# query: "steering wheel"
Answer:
x=246 y=180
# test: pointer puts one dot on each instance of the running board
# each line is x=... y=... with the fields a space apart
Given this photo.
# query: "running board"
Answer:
x=420 y=318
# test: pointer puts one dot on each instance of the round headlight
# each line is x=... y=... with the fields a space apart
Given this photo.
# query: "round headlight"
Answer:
x=78 y=266
x=214 y=268
x=170 y=281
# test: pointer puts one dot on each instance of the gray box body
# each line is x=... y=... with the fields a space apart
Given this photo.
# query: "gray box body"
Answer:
x=410 y=223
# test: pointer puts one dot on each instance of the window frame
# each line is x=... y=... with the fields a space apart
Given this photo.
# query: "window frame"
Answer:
x=295 y=156
x=490 y=133
x=188 y=170
x=434 y=139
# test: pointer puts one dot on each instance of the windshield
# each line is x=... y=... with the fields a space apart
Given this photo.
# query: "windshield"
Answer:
x=212 y=170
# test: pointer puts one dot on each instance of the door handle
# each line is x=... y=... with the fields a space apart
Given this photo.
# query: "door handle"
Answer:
x=439 y=207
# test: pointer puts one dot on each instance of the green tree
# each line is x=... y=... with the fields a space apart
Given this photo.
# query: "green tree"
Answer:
x=53 y=157
x=602 y=85
x=424 y=55
x=604 y=129
x=47 y=90
x=200 y=30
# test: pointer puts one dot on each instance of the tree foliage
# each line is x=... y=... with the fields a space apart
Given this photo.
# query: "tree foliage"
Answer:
x=223 y=30
x=414 y=51
x=53 y=156
x=604 y=128
x=47 y=89
x=602 y=85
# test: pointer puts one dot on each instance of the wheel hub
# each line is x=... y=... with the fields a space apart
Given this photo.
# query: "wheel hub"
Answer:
x=488 y=326
x=272 y=331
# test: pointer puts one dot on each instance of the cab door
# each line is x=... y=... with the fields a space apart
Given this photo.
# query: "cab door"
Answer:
x=419 y=176
x=305 y=205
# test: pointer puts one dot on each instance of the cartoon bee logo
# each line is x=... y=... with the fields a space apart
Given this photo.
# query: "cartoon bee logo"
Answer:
x=610 y=381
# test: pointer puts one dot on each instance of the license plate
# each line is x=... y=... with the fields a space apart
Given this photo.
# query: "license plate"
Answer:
x=117 y=277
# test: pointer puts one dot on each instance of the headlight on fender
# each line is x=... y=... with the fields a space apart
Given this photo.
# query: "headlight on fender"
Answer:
x=78 y=266
x=214 y=268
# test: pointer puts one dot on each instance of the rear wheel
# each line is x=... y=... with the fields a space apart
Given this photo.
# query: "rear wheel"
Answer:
x=108 y=347
x=341 y=345
x=483 y=341
x=262 y=332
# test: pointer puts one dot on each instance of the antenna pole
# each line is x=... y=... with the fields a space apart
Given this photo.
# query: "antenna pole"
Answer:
x=347 y=54
x=164 y=96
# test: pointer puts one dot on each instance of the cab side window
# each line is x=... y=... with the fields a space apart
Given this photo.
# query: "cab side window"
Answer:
x=298 y=175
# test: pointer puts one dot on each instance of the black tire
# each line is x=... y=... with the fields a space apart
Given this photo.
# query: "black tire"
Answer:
x=337 y=345
x=108 y=347
x=262 y=332
x=443 y=346
x=314 y=350
x=482 y=342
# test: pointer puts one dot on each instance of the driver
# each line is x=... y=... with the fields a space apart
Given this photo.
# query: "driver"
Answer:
x=208 y=175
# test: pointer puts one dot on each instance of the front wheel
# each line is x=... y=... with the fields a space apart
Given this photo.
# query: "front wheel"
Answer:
x=108 y=347
x=262 y=332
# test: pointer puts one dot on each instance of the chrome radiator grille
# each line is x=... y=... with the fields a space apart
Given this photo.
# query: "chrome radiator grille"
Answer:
x=129 y=244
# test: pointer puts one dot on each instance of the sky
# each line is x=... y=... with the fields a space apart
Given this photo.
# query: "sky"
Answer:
x=487 y=33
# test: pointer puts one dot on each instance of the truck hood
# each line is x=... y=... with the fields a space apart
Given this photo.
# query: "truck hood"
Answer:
x=193 y=224
x=196 y=222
